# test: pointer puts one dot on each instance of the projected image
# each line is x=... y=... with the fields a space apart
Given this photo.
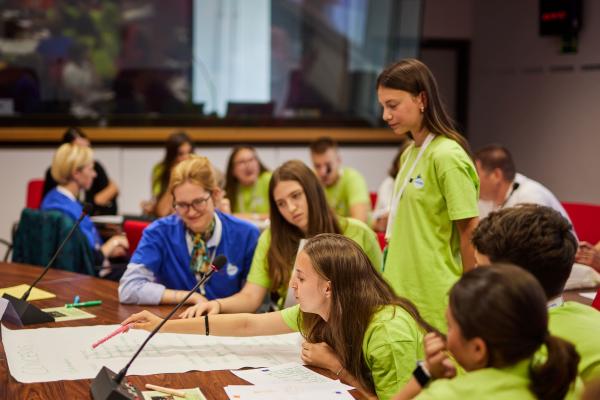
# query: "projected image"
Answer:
x=200 y=61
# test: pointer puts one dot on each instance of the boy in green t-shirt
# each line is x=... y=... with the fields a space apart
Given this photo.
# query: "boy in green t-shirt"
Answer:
x=345 y=188
x=540 y=240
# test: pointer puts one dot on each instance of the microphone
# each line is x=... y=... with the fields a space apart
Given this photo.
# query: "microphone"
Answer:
x=109 y=386
x=29 y=314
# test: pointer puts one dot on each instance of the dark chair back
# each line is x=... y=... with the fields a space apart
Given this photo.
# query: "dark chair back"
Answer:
x=39 y=235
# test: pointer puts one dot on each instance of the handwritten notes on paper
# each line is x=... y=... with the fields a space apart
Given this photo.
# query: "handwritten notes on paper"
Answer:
x=51 y=354
x=286 y=373
x=290 y=381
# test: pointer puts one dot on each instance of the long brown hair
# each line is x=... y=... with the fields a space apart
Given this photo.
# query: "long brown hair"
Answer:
x=357 y=292
x=285 y=237
x=505 y=306
x=231 y=182
x=412 y=76
x=174 y=142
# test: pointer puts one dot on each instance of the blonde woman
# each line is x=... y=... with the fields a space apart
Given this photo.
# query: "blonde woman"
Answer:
x=73 y=169
x=176 y=251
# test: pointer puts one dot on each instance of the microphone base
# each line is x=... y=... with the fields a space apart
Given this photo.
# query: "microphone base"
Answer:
x=104 y=387
x=28 y=314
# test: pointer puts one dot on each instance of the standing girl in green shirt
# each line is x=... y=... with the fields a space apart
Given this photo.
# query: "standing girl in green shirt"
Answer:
x=497 y=322
x=247 y=184
x=434 y=206
x=352 y=322
x=299 y=210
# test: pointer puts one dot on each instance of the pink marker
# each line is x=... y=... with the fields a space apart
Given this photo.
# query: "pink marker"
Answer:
x=121 y=329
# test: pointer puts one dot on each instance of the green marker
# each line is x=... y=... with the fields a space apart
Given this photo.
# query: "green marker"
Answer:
x=85 y=304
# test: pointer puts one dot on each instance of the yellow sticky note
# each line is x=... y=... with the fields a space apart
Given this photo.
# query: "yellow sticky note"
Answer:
x=19 y=290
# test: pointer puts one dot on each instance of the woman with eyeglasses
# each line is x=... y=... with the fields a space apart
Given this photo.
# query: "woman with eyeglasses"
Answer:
x=176 y=251
x=247 y=183
x=299 y=210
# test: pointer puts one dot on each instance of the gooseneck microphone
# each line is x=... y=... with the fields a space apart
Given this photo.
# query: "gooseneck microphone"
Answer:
x=109 y=386
x=29 y=314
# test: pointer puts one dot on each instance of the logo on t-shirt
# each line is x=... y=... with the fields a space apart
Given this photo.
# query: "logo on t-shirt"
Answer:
x=232 y=270
x=418 y=182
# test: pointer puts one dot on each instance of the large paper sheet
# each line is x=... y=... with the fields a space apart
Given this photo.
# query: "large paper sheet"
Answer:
x=286 y=373
x=51 y=354
x=309 y=391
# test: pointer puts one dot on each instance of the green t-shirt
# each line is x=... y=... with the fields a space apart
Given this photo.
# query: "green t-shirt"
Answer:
x=156 y=185
x=254 y=199
x=423 y=257
x=351 y=228
x=488 y=383
x=580 y=325
x=392 y=345
x=350 y=189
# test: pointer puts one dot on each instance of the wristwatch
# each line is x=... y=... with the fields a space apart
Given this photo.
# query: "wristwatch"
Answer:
x=421 y=374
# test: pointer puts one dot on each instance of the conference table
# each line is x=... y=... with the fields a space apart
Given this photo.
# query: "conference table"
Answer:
x=66 y=285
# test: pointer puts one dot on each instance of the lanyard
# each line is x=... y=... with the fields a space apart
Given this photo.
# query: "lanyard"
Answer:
x=398 y=195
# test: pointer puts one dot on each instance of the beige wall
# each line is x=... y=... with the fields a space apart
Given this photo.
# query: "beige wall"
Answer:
x=549 y=120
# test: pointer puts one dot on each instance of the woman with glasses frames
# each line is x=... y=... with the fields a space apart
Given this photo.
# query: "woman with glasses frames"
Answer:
x=176 y=251
x=247 y=184
x=299 y=211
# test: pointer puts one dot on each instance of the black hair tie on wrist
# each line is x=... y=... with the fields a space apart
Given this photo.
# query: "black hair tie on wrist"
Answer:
x=206 y=329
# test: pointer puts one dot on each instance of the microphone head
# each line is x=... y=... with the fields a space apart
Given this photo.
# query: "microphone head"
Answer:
x=87 y=208
x=219 y=262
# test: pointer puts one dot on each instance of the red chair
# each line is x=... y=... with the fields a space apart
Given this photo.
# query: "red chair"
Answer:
x=381 y=239
x=586 y=220
x=133 y=230
x=35 y=190
x=373 y=196
x=596 y=302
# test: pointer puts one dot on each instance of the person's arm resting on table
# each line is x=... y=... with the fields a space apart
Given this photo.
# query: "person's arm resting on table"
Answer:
x=138 y=286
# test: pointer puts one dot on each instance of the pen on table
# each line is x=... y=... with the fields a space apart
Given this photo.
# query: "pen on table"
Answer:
x=121 y=329
x=76 y=299
x=85 y=304
x=175 y=392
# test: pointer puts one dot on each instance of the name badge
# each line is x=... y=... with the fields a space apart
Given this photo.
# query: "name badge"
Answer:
x=418 y=182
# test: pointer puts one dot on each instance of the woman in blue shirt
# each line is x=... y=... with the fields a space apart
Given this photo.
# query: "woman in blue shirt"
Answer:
x=176 y=251
x=73 y=170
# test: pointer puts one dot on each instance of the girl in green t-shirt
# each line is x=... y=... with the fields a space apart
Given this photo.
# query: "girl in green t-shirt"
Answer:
x=178 y=147
x=299 y=210
x=434 y=204
x=352 y=322
x=497 y=322
x=247 y=184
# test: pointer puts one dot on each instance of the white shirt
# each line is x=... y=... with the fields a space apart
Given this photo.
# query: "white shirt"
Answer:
x=384 y=197
x=527 y=191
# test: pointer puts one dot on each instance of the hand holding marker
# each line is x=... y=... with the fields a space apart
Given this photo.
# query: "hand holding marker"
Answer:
x=121 y=329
